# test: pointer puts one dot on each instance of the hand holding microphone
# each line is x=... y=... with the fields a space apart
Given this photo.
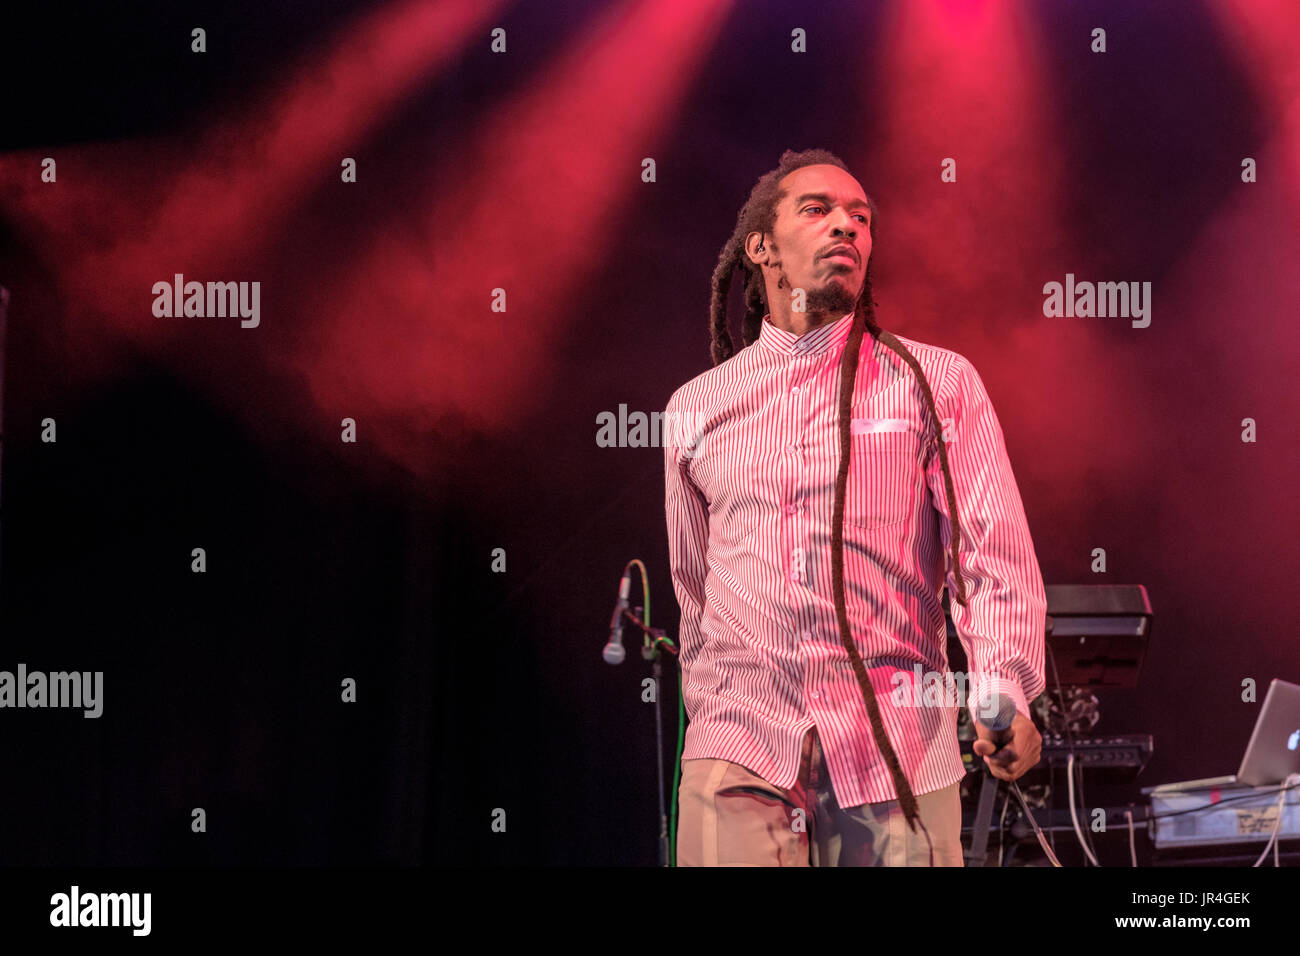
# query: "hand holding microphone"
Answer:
x=1007 y=740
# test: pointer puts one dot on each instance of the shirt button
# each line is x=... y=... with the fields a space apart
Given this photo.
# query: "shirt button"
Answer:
x=805 y=634
x=795 y=390
x=791 y=509
x=816 y=695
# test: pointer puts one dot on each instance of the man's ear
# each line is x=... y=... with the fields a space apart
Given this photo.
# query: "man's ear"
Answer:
x=758 y=248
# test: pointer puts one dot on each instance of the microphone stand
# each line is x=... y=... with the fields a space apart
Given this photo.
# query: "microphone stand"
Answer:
x=655 y=642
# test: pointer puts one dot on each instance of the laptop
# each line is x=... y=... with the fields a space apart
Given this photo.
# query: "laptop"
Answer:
x=1274 y=749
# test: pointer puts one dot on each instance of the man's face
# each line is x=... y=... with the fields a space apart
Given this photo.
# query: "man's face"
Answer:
x=821 y=237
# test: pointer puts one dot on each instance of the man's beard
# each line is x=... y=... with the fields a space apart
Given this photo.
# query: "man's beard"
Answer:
x=832 y=297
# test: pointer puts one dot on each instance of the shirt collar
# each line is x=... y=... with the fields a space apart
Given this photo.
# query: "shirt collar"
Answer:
x=814 y=342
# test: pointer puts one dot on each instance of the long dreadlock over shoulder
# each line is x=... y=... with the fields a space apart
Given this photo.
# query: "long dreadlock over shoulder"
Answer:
x=759 y=215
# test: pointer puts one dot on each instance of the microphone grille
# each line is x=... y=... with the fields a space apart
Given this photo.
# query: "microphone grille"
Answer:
x=996 y=712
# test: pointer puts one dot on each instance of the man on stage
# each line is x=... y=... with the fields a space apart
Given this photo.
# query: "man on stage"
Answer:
x=838 y=478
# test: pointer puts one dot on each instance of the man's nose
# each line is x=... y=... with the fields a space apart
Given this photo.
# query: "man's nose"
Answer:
x=845 y=227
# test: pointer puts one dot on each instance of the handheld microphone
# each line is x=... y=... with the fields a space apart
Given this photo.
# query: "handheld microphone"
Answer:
x=614 y=652
x=1003 y=711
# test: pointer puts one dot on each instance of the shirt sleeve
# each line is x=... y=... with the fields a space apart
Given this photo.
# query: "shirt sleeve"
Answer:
x=687 y=514
x=1003 y=626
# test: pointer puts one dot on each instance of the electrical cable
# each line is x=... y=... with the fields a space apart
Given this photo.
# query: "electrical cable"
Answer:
x=1132 y=848
x=1038 y=831
x=1273 y=841
x=1074 y=813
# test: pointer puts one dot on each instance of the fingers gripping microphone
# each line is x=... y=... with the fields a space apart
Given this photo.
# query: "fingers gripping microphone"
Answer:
x=614 y=652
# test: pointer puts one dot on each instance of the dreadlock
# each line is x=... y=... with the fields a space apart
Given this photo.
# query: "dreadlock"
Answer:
x=759 y=215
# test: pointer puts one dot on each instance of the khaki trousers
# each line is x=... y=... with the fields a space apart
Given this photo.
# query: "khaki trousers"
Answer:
x=728 y=816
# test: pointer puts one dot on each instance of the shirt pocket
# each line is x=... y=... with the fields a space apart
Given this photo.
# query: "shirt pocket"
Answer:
x=883 y=472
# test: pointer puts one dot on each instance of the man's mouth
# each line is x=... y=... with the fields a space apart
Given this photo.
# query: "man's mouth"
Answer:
x=842 y=253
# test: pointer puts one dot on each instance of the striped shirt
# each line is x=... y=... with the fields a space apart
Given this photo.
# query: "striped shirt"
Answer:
x=749 y=490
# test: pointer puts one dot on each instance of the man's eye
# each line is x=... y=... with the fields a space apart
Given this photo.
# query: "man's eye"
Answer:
x=863 y=218
x=806 y=208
